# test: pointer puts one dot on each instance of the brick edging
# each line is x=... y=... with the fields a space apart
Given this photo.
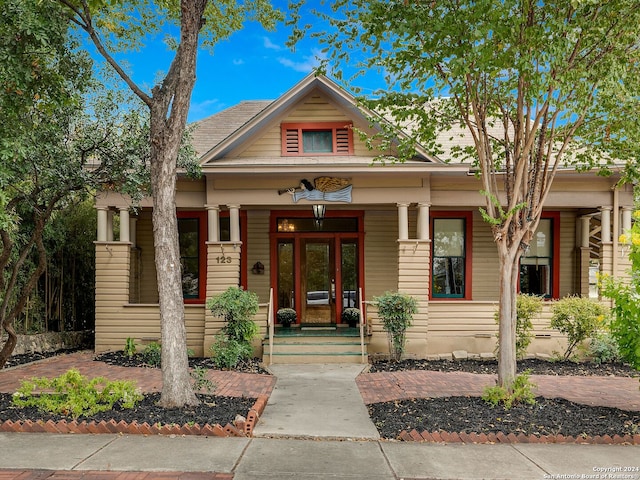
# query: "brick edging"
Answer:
x=462 y=437
x=239 y=428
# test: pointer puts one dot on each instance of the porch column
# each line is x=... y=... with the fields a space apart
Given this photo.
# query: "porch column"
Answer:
x=403 y=221
x=133 y=231
x=584 y=255
x=423 y=221
x=213 y=222
x=109 y=226
x=102 y=224
x=605 y=222
x=606 y=246
x=626 y=219
x=124 y=225
x=234 y=220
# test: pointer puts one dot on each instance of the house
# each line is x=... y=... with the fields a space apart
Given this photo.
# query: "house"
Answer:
x=290 y=201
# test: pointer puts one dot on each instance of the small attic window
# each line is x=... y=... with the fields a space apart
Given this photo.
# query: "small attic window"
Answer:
x=335 y=138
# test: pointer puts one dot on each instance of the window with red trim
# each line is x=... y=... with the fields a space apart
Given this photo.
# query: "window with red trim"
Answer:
x=451 y=255
x=192 y=233
x=320 y=138
x=539 y=265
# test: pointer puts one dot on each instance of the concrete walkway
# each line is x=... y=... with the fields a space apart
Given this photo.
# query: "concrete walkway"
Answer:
x=311 y=401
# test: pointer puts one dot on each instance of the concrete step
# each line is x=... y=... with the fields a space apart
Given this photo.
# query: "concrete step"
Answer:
x=313 y=347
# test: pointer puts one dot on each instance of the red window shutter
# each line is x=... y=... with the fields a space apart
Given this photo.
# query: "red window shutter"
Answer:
x=342 y=141
x=292 y=141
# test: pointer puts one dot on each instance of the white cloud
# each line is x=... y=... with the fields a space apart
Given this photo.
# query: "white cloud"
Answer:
x=238 y=61
x=270 y=45
x=308 y=63
x=206 y=108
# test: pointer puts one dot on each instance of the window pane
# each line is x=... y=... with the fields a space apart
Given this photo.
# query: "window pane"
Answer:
x=285 y=275
x=536 y=263
x=310 y=225
x=349 y=274
x=448 y=237
x=317 y=141
x=188 y=237
x=448 y=277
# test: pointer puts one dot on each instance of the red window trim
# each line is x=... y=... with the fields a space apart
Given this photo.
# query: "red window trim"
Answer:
x=203 y=232
x=468 y=253
x=555 y=261
x=286 y=128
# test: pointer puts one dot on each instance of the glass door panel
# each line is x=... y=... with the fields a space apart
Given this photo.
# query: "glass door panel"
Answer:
x=318 y=282
x=286 y=275
x=349 y=265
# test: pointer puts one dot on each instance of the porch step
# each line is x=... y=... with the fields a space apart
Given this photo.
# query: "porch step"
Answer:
x=314 y=347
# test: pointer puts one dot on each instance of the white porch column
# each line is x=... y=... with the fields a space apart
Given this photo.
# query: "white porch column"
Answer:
x=213 y=222
x=102 y=224
x=124 y=225
x=133 y=230
x=585 y=230
x=423 y=221
x=605 y=220
x=109 y=226
x=626 y=219
x=403 y=221
x=234 y=221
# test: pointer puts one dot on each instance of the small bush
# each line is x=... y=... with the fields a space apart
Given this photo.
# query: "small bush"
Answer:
x=152 y=354
x=527 y=307
x=130 y=347
x=73 y=395
x=522 y=393
x=200 y=380
x=286 y=316
x=578 y=318
x=603 y=348
x=227 y=352
x=396 y=311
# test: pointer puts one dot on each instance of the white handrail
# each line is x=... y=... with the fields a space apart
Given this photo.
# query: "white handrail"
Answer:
x=270 y=325
x=363 y=317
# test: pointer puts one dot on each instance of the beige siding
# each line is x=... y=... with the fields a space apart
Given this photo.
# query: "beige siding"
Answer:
x=380 y=252
x=258 y=251
x=471 y=326
x=484 y=261
x=147 y=283
x=568 y=253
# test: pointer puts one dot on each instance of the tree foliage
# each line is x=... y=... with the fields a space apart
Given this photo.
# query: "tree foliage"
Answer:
x=48 y=139
x=535 y=85
x=124 y=25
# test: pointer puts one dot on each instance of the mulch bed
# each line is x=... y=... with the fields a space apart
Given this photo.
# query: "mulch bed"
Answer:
x=554 y=418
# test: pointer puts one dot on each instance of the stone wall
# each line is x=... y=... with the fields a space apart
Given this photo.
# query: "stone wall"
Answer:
x=52 y=341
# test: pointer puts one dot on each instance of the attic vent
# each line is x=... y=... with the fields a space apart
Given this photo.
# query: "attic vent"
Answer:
x=342 y=140
x=292 y=141
x=321 y=138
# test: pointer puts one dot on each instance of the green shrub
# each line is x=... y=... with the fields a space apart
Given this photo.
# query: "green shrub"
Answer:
x=130 y=347
x=200 y=380
x=578 y=318
x=286 y=316
x=73 y=395
x=227 y=352
x=603 y=348
x=527 y=307
x=522 y=393
x=625 y=325
x=396 y=311
x=152 y=354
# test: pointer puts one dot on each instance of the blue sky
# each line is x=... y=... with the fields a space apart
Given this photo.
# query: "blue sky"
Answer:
x=254 y=64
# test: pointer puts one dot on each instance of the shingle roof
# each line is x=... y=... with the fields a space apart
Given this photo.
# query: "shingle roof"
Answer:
x=212 y=130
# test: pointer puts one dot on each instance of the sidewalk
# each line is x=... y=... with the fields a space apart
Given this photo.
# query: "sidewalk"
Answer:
x=116 y=457
x=303 y=401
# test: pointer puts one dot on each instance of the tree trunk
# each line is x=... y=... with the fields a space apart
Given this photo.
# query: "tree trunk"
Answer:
x=508 y=288
x=169 y=109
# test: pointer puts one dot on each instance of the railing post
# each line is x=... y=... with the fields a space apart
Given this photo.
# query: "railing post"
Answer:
x=270 y=325
x=362 y=323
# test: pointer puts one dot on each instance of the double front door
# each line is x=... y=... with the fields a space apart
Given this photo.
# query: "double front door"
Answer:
x=318 y=276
